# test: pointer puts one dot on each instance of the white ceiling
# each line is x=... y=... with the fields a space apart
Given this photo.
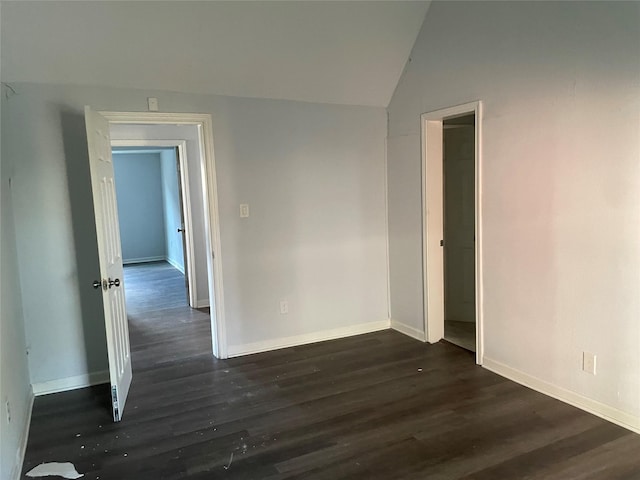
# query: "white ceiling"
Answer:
x=326 y=51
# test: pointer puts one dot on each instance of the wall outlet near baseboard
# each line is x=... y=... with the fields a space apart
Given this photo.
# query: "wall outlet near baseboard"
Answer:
x=152 y=103
x=284 y=307
x=589 y=362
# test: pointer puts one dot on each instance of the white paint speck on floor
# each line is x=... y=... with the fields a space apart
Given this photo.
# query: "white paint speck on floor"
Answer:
x=64 y=470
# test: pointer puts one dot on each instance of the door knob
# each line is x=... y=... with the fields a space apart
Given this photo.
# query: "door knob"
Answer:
x=180 y=230
x=97 y=284
x=115 y=283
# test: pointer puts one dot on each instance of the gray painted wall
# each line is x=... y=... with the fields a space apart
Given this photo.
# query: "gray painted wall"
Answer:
x=561 y=182
x=56 y=237
x=141 y=215
x=171 y=203
x=15 y=386
x=313 y=175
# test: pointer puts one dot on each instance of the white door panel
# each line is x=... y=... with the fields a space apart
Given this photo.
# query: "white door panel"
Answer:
x=110 y=256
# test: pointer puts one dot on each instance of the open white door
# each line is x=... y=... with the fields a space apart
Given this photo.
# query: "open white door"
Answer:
x=109 y=252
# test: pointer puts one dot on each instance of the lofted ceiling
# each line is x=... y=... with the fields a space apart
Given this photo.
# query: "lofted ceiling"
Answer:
x=345 y=52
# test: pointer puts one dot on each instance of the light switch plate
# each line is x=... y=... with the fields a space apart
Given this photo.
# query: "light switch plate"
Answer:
x=589 y=362
x=244 y=210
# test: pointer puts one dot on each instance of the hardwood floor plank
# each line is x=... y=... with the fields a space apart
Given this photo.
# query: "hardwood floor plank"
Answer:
x=547 y=457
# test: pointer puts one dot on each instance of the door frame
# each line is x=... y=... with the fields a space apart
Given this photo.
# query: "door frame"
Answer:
x=189 y=254
x=433 y=221
x=203 y=123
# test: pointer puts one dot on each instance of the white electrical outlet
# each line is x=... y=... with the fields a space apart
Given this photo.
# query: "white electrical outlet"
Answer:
x=244 y=210
x=153 y=104
x=7 y=408
x=589 y=362
x=284 y=307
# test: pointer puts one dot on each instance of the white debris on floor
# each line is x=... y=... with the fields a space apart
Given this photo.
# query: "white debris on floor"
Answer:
x=226 y=467
x=64 y=470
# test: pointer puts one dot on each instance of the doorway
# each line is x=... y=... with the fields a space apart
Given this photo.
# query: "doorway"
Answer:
x=198 y=132
x=459 y=230
x=452 y=262
x=152 y=200
x=154 y=207
x=100 y=128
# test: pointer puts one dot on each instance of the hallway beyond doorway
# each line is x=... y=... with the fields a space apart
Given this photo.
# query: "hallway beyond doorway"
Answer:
x=162 y=326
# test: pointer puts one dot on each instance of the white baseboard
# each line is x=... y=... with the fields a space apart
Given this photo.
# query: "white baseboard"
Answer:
x=407 y=330
x=71 y=383
x=277 y=343
x=175 y=264
x=594 y=407
x=128 y=261
x=16 y=473
x=202 y=303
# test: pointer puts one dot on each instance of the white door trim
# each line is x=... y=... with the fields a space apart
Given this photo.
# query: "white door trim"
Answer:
x=190 y=258
x=432 y=221
x=210 y=194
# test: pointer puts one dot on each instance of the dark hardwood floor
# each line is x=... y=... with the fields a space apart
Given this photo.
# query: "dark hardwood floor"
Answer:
x=162 y=327
x=376 y=406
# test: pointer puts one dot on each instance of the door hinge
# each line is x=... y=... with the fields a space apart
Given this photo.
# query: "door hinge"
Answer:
x=114 y=400
x=442 y=243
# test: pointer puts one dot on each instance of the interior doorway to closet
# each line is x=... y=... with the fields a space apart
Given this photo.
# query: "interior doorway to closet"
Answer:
x=452 y=226
x=459 y=230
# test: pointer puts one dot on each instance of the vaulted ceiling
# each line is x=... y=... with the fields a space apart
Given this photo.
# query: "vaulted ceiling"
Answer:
x=317 y=51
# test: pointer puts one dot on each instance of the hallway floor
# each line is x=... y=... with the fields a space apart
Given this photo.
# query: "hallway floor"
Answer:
x=162 y=326
x=462 y=334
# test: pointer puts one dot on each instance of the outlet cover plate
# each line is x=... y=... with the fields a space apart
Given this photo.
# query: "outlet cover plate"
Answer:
x=284 y=307
x=152 y=102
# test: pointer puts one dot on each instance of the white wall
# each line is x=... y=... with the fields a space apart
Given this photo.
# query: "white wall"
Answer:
x=15 y=386
x=561 y=183
x=140 y=195
x=313 y=175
